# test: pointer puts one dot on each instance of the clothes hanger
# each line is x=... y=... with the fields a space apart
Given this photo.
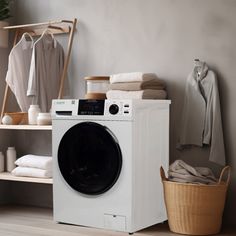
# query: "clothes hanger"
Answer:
x=24 y=35
x=197 y=63
x=28 y=35
x=198 y=66
x=47 y=31
x=55 y=27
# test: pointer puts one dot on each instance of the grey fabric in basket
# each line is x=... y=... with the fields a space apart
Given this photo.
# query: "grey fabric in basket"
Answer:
x=179 y=171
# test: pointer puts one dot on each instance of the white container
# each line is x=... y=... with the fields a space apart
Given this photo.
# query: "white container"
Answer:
x=11 y=158
x=1 y=162
x=44 y=119
x=33 y=114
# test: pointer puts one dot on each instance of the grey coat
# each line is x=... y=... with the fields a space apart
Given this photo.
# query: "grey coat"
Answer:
x=201 y=118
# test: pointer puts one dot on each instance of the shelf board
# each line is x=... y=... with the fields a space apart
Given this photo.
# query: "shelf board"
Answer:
x=8 y=176
x=26 y=127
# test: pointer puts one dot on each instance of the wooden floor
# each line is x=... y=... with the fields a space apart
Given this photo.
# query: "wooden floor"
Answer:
x=29 y=221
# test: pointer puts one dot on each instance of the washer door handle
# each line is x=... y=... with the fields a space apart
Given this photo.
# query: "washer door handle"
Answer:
x=112 y=134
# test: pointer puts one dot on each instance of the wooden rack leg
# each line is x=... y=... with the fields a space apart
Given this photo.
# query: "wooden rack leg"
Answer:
x=63 y=77
x=4 y=101
x=7 y=87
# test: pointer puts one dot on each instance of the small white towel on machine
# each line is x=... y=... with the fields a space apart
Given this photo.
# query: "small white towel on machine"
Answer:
x=32 y=172
x=35 y=161
x=132 y=77
x=141 y=94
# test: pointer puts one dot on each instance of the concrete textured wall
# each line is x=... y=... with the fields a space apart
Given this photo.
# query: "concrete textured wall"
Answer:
x=161 y=36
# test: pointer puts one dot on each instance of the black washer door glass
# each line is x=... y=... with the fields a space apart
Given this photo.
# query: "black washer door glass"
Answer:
x=89 y=158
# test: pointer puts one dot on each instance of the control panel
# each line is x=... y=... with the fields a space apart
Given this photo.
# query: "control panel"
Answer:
x=118 y=107
x=89 y=107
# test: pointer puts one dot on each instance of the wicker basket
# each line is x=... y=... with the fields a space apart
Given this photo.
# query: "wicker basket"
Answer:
x=18 y=117
x=195 y=209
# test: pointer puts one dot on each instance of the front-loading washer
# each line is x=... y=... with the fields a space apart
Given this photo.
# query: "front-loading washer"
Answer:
x=107 y=155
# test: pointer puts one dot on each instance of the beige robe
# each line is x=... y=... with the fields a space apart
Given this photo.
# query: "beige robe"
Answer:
x=201 y=117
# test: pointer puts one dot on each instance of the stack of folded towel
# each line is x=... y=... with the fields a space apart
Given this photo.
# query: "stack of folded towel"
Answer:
x=136 y=85
x=33 y=166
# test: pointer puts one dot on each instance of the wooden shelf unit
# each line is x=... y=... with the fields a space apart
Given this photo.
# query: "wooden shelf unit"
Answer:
x=8 y=176
x=55 y=27
x=26 y=127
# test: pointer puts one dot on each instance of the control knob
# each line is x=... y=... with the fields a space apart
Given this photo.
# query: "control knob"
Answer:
x=114 y=109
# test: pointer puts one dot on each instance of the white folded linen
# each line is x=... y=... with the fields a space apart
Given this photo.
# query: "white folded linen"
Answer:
x=34 y=161
x=32 y=172
x=141 y=94
x=132 y=77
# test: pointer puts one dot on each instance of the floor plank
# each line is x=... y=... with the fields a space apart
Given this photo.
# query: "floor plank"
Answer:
x=32 y=221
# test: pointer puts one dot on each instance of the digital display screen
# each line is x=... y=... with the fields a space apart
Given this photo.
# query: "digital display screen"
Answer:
x=91 y=107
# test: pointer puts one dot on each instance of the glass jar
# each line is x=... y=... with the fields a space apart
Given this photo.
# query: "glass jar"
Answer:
x=97 y=86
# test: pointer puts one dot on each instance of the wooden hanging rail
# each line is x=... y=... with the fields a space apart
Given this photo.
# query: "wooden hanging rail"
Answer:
x=38 y=24
x=56 y=27
x=36 y=29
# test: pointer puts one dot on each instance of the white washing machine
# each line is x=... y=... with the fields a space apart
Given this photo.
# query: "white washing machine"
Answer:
x=107 y=155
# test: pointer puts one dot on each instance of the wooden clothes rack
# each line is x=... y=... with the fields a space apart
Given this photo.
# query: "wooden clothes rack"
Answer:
x=55 y=27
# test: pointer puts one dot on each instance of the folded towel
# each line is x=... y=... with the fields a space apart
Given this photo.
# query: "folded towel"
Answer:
x=135 y=86
x=32 y=172
x=142 y=94
x=179 y=171
x=41 y=162
x=132 y=77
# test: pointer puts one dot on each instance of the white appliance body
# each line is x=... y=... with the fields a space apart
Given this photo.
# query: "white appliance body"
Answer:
x=140 y=128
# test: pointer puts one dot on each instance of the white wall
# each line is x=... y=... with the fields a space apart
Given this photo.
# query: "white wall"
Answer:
x=161 y=36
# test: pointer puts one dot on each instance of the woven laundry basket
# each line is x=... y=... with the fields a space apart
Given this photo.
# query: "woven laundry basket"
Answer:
x=195 y=209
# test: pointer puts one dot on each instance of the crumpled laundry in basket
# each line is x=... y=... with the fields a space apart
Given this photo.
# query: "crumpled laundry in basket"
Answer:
x=179 y=171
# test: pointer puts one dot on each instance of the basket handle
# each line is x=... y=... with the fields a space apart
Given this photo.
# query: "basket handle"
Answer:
x=162 y=173
x=226 y=168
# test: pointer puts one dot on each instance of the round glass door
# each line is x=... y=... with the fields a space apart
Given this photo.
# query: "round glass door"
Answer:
x=89 y=158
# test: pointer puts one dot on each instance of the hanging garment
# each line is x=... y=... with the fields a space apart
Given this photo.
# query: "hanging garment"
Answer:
x=18 y=70
x=201 y=117
x=45 y=71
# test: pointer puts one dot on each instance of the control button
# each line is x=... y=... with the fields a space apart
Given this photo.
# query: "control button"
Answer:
x=114 y=109
x=126 y=112
x=126 y=105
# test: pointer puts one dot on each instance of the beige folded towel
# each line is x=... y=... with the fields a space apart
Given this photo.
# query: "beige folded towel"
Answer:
x=132 y=77
x=179 y=171
x=141 y=94
x=135 y=86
